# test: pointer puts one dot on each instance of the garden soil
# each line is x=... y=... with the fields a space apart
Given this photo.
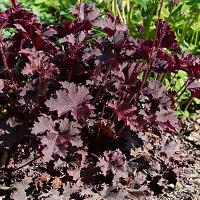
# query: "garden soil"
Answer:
x=188 y=185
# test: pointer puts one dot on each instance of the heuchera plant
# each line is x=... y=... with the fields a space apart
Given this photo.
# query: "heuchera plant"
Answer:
x=84 y=112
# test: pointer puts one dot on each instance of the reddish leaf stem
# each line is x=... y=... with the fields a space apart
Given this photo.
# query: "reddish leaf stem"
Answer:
x=183 y=88
x=146 y=74
x=5 y=65
x=104 y=79
x=172 y=81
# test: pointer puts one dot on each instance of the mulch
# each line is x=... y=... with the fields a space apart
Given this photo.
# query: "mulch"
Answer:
x=188 y=185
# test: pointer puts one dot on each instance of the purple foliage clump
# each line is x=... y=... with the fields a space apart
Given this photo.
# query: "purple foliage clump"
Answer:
x=86 y=115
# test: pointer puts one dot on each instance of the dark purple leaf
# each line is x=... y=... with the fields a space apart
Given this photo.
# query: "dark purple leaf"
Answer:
x=112 y=160
x=195 y=89
x=70 y=99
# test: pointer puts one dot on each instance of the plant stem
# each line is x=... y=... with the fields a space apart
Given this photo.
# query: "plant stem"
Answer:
x=146 y=75
x=104 y=79
x=112 y=122
x=182 y=87
x=123 y=12
x=147 y=23
x=172 y=81
x=159 y=12
x=189 y=102
x=113 y=7
x=121 y=130
x=79 y=9
x=185 y=29
x=196 y=38
x=5 y=65
x=103 y=110
x=185 y=85
x=163 y=77
x=27 y=163
x=119 y=13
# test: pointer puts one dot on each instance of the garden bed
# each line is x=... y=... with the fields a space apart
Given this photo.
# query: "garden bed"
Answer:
x=88 y=110
x=188 y=186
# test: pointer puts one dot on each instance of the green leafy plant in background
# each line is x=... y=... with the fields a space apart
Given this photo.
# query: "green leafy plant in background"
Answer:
x=184 y=18
x=48 y=11
x=185 y=21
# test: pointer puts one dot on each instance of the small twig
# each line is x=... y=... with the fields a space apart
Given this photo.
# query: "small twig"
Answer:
x=189 y=102
x=28 y=163
x=94 y=155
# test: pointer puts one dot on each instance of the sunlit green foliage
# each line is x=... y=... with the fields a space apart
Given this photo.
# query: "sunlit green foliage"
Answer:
x=184 y=17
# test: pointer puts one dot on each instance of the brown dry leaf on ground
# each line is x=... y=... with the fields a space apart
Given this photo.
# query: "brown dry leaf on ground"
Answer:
x=57 y=183
x=44 y=177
